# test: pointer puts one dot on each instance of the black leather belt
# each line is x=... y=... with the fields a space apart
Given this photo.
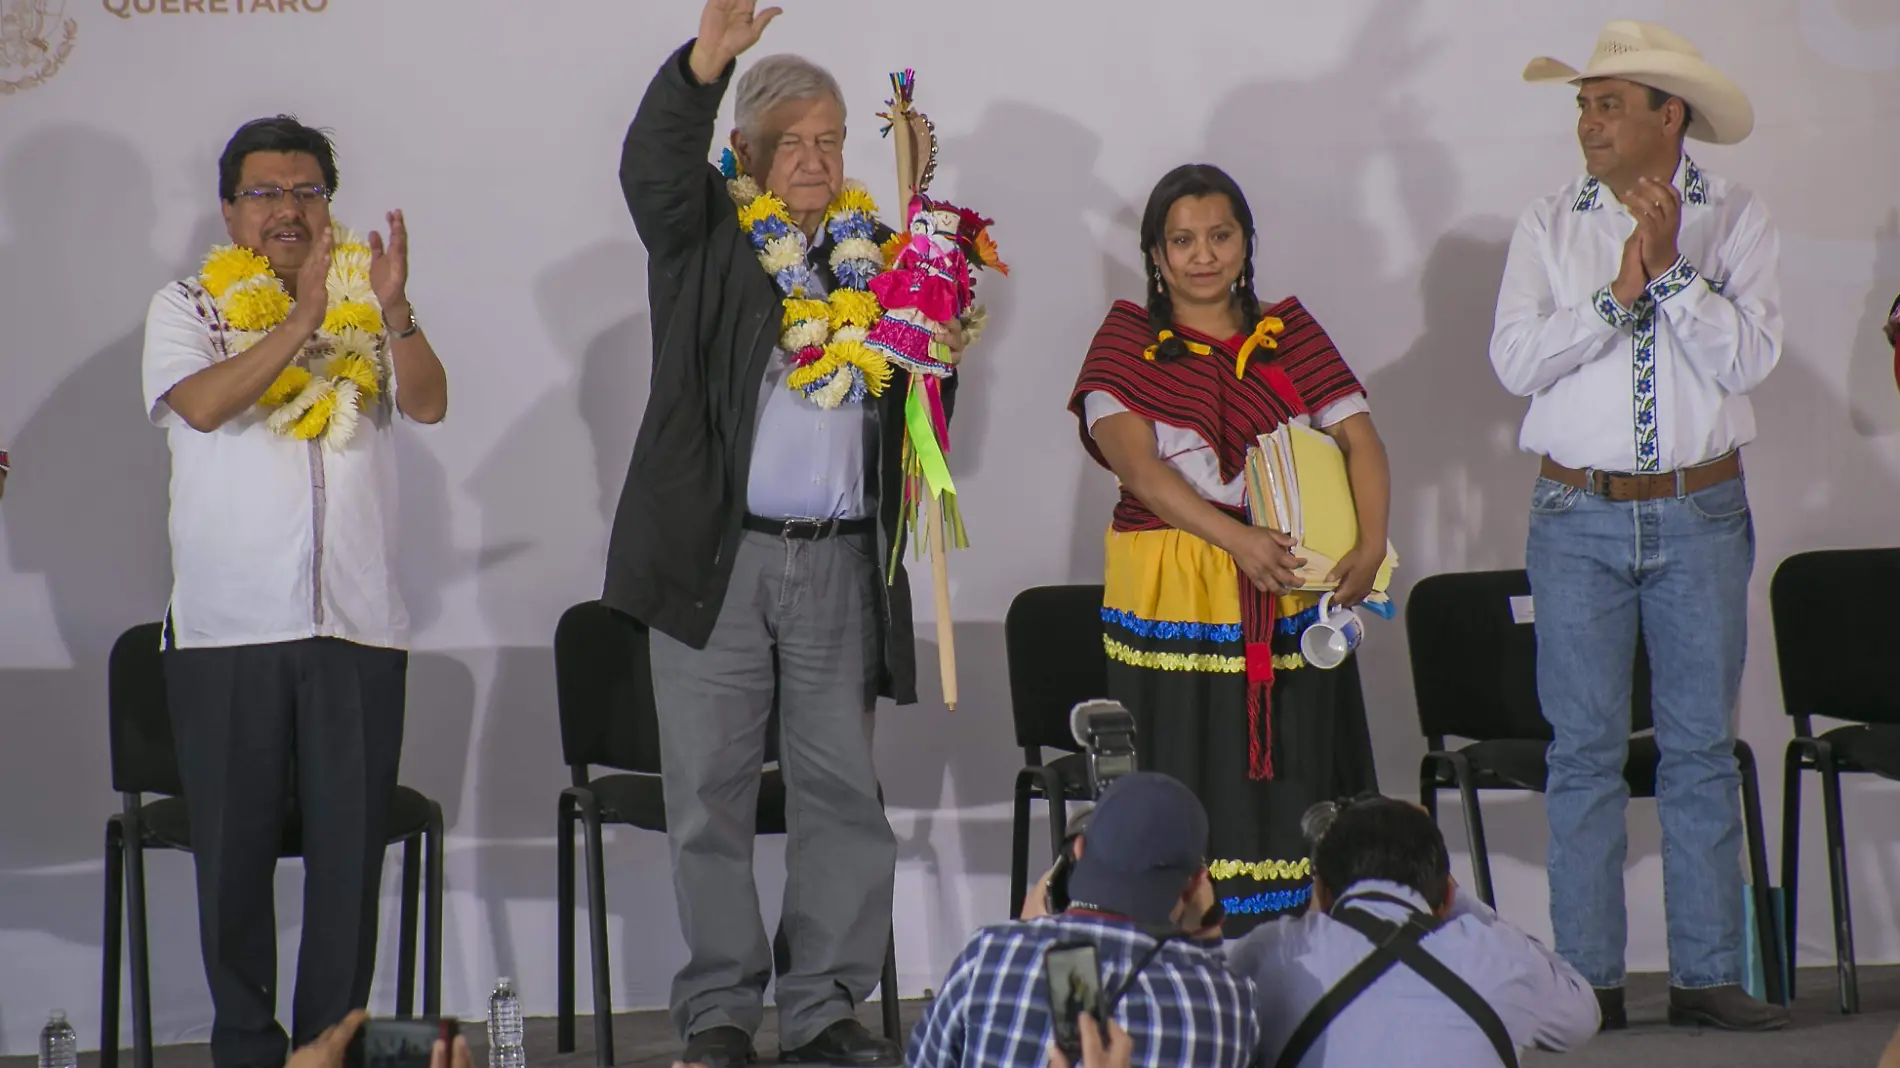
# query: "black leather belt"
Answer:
x=808 y=529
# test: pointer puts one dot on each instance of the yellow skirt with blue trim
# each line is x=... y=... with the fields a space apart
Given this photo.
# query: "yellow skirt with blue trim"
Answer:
x=1171 y=628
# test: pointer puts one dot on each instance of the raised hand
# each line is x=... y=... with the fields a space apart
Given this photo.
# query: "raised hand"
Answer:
x=389 y=265
x=313 y=284
x=726 y=29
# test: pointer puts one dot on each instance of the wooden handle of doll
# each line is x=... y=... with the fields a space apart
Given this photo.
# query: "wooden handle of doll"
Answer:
x=901 y=139
x=933 y=525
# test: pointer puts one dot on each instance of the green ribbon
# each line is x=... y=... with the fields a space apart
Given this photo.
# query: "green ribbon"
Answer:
x=923 y=443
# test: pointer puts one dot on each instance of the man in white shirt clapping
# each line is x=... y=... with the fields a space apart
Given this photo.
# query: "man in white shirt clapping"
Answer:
x=277 y=372
x=1640 y=306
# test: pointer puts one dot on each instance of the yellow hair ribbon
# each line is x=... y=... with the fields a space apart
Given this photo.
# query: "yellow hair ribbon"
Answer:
x=1194 y=347
x=1262 y=338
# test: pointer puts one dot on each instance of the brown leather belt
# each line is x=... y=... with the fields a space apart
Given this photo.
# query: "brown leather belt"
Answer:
x=1620 y=487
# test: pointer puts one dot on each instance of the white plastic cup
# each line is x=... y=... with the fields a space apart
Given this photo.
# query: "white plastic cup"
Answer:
x=1333 y=636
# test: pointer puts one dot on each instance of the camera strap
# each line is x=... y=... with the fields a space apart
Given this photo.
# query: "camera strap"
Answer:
x=1394 y=944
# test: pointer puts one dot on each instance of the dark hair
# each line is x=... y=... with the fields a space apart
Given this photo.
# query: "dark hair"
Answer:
x=282 y=133
x=1191 y=180
x=1384 y=838
x=1658 y=97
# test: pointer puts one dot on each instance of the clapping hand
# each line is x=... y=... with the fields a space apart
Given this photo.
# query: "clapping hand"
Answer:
x=389 y=264
x=313 y=283
x=1658 y=210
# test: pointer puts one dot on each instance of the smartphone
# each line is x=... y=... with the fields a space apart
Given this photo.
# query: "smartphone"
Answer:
x=1072 y=980
x=389 y=1043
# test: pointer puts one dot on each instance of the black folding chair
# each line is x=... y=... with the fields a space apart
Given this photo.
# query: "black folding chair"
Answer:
x=1835 y=645
x=1053 y=638
x=1474 y=673
x=604 y=682
x=144 y=761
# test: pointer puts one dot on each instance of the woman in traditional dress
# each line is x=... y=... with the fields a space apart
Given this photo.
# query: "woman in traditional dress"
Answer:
x=1201 y=621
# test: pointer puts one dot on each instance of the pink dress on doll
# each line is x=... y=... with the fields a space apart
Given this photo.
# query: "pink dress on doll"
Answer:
x=927 y=286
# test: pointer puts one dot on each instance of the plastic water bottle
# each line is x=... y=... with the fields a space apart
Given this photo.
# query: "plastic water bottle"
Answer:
x=59 y=1046
x=504 y=1027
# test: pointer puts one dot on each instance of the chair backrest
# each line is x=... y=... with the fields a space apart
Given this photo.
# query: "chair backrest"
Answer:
x=1835 y=630
x=1053 y=637
x=1474 y=658
x=139 y=723
x=603 y=678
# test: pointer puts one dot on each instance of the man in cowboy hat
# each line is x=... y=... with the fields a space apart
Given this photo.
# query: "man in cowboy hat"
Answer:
x=1640 y=306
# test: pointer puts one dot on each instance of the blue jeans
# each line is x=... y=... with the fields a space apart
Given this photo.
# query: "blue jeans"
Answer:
x=1680 y=567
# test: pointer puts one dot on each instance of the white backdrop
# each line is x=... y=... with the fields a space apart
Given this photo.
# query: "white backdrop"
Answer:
x=1387 y=144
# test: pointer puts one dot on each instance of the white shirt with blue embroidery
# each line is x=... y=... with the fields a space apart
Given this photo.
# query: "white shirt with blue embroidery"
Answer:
x=1658 y=386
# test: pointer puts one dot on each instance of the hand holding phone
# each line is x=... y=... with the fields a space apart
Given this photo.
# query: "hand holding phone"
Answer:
x=388 y=1043
x=1119 y=1049
x=1072 y=981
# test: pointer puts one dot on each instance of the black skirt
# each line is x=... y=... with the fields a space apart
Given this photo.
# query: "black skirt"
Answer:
x=1193 y=725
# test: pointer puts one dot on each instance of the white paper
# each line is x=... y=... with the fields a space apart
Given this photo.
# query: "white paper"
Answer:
x=1522 y=610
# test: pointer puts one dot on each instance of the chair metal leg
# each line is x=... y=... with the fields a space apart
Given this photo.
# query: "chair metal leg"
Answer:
x=1428 y=786
x=893 y=1023
x=564 y=924
x=1837 y=877
x=1758 y=878
x=432 y=914
x=597 y=930
x=1058 y=803
x=136 y=935
x=406 y=931
x=1790 y=855
x=111 y=945
x=1474 y=828
x=1019 y=842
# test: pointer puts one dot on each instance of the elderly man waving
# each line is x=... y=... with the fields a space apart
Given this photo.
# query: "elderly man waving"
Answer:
x=762 y=500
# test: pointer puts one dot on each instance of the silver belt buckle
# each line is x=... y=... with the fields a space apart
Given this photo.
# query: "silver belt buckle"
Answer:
x=817 y=528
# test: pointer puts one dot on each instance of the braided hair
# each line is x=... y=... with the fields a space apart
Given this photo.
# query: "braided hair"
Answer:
x=1192 y=180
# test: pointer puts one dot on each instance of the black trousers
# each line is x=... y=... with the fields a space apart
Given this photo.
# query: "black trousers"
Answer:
x=292 y=742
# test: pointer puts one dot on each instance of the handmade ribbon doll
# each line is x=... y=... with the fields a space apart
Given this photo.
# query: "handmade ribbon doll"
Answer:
x=927 y=285
x=1893 y=337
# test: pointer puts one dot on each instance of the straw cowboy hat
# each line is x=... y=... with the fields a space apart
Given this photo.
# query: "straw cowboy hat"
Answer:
x=1649 y=55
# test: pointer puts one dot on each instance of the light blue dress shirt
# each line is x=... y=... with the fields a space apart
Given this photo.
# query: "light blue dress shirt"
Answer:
x=807 y=461
x=1400 y=1018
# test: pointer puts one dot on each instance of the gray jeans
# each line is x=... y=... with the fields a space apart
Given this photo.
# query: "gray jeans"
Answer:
x=799 y=620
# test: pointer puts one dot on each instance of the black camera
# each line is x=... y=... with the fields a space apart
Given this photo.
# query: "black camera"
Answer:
x=1056 y=898
x=1320 y=817
x=1106 y=732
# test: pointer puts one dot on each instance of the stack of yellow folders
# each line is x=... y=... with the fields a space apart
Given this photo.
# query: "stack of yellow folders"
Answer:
x=1296 y=484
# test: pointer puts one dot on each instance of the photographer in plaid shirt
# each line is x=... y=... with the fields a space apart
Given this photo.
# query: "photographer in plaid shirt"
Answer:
x=1139 y=892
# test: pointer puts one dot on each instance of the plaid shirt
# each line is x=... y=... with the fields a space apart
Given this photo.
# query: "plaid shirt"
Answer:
x=1185 y=1009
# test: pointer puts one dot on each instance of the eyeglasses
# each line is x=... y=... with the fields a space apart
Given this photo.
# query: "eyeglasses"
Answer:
x=304 y=195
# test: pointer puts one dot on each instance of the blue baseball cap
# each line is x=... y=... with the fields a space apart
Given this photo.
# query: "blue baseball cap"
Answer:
x=1145 y=839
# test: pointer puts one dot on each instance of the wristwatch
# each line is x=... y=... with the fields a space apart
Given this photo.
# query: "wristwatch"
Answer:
x=414 y=325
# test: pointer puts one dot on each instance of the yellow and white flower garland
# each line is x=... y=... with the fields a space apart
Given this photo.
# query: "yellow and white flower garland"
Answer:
x=253 y=302
x=825 y=338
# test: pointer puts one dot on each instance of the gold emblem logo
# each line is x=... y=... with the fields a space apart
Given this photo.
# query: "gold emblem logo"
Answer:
x=36 y=36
